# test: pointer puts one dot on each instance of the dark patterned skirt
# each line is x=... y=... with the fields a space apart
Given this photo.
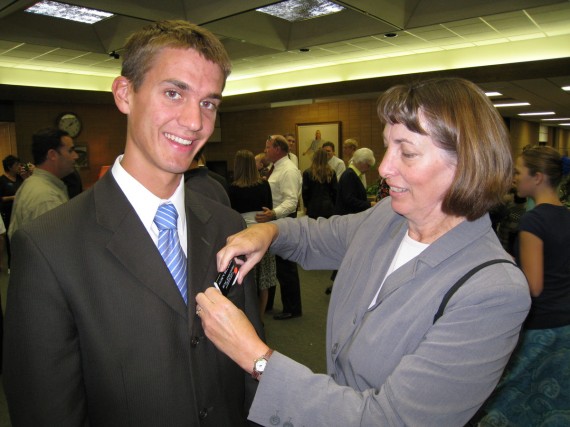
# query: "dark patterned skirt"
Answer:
x=266 y=272
x=535 y=388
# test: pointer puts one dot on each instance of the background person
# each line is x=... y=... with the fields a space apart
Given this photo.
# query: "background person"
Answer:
x=535 y=390
x=319 y=187
x=14 y=173
x=264 y=166
x=292 y=141
x=349 y=146
x=336 y=164
x=249 y=193
x=199 y=179
x=2 y=238
x=351 y=197
x=99 y=330
x=54 y=156
x=388 y=362
x=285 y=182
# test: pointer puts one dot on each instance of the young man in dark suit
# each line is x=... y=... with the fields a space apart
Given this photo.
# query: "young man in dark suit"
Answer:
x=99 y=332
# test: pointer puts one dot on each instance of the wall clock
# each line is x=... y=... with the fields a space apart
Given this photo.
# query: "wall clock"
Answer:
x=70 y=123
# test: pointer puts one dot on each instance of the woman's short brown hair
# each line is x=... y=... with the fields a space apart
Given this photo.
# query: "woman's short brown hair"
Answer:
x=462 y=121
x=143 y=46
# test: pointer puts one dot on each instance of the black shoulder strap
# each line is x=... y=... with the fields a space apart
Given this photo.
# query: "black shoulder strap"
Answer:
x=461 y=281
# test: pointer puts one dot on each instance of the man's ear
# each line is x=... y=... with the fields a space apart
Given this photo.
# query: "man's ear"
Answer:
x=52 y=154
x=121 y=92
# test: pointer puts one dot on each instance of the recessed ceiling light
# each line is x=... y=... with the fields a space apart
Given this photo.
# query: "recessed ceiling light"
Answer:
x=390 y=35
x=556 y=119
x=489 y=94
x=301 y=10
x=543 y=113
x=564 y=124
x=565 y=87
x=512 y=104
x=69 y=12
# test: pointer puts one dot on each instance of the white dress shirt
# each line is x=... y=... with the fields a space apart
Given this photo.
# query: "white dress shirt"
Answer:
x=146 y=204
x=337 y=165
x=285 y=183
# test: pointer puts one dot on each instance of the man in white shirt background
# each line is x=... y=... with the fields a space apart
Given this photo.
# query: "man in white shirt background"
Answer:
x=291 y=140
x=285 y=182
x=336 y=164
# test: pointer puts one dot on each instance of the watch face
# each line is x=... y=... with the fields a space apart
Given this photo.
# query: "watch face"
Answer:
x=260 y=365
x=70 y=123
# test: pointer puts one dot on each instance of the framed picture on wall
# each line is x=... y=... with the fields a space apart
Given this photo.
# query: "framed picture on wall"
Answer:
x=311 y=136
x=82 y=161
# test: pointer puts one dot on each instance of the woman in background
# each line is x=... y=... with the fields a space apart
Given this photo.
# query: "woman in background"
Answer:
x=535 y=389
x=249 y=194
x=319 y=187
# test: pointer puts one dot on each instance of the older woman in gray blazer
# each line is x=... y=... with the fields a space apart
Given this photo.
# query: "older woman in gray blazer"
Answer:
x=389 y=363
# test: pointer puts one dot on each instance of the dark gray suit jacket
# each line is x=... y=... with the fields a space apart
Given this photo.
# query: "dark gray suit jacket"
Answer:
x=97 y=332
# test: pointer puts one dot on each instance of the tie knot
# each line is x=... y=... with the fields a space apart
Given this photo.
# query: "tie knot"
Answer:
x=166 y=217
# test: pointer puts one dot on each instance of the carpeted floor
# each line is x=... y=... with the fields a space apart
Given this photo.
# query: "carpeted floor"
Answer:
x=302 y=339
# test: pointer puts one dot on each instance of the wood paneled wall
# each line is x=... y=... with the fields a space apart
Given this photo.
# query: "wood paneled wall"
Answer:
x=104 y=129
x=103 y=133
x=249 y=129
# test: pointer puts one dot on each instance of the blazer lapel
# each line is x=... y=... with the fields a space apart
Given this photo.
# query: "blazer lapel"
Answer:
x=130 y=243
x=201 y=245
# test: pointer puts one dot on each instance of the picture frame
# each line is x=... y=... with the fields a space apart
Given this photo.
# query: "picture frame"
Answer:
x=82 y=161
x=306 y=134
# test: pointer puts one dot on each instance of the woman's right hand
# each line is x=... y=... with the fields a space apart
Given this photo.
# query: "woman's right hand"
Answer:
x=253 y=243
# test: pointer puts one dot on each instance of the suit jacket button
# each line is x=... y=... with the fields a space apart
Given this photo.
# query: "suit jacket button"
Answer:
x=203 y=413
x=194 y=341
x=335 y=348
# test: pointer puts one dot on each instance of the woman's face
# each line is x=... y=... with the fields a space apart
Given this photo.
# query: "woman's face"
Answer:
x=524 y=181
x=418 y=172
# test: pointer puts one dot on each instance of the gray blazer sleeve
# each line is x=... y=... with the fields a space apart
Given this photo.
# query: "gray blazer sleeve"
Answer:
x=388 y=365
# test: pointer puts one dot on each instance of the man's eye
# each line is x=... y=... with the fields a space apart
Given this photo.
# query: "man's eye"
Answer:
x=209 y=105
x=172 y=94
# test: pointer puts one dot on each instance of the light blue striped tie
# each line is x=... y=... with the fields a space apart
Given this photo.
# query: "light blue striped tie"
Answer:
x=169 y=246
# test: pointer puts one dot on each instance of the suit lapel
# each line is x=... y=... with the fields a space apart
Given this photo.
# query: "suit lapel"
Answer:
x=130 y=243
x=201 y=245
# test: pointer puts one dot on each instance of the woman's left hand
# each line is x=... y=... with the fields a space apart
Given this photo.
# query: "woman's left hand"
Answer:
x=229 y=328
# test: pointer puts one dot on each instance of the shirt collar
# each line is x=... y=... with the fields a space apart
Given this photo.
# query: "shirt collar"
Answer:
x=146 y=203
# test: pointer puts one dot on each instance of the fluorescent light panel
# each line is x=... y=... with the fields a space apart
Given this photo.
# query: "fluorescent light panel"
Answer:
x=566 y=88
x=301 y=10
x=69 y=12
x=556 y=119
x=512 y=104
x=544 y=113
x=490 y=94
